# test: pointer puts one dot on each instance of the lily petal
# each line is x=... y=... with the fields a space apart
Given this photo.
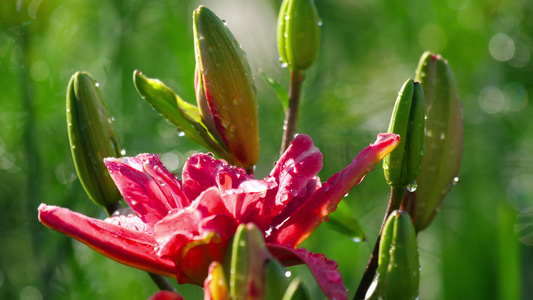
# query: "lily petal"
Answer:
x=201 y=171
x=135 y=248
x=297 y=166
x=148 y=188
x=324 y=201
x=324 y=270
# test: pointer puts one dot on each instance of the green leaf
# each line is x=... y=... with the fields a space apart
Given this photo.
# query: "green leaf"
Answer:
x=344 y=222
x=180 y=113
x=282 y=94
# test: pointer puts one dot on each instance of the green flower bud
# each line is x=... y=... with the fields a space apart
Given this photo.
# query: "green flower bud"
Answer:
x=92 y=138
x=298 y=33
x=398 y=266
x=225 y=89
x=276 y=282
x=443 y=140
x=402 y=165
x=248 y=256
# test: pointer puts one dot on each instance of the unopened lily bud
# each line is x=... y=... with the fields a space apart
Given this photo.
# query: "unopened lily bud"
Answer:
x=276 y=280
x=298 y=33
x=215 y=285
x=398 y=265
x=225 y=89
x=166 y=295
x=443 y=140
x=402 y=165
x=248 y=257
x=92 y=138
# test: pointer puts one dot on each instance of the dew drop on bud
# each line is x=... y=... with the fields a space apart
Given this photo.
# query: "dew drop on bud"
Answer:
x=288 y=274
x=412 y=186
x=455 y=180
x=123 y=152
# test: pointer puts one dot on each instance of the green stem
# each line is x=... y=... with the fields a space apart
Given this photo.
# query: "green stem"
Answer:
x=395 y=201
x=289 y=127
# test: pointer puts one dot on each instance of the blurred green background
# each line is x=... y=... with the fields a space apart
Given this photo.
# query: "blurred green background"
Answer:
x=473 y=249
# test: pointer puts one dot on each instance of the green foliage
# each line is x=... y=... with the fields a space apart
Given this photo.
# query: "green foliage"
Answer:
x=368 y=49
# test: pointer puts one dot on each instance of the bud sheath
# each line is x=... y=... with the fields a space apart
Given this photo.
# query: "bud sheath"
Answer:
x=225 y=89
x=92 y=138
x=398 y=264
x=298 y=33
x=403 y=164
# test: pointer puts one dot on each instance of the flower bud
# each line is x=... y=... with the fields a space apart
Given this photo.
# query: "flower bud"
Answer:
x=402 y=165
x=225 y=89
x=92 y=138
x=215 y=285
x=248 y=257
x=443 y=140
x=398 y=264
x=298 y=33
x=166 y=295
x=277 y=282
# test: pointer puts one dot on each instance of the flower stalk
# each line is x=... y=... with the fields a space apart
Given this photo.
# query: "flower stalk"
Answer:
x=298 y=45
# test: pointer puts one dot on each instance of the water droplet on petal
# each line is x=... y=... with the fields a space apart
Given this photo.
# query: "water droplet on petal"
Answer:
x=333 y=276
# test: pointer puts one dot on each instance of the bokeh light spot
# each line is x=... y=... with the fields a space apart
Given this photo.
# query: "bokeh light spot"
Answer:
x=64 y=174
x=491 y=100
x=39 y=70
x=520 y=191
x=30 y=293
x=501 y=47
x=171 y=160
x=522 y=55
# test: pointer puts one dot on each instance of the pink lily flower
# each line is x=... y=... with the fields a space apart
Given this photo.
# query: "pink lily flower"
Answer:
x=177 y=228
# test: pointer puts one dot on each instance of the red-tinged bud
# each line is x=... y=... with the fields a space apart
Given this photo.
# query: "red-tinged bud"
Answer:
x=225 y=89
x=215 y=285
